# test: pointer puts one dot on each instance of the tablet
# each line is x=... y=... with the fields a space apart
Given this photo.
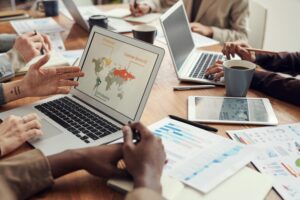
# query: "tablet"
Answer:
x=231 y=110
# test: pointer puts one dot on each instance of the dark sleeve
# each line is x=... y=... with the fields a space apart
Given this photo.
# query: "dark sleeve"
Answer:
x=272 y=84
x=24 y=175
x=7 y=42
x=282 y=62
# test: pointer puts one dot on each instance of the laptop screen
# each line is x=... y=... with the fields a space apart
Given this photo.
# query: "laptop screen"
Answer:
x=178 y=34
x=116 y=73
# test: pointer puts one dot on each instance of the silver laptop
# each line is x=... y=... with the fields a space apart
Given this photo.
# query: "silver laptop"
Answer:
x=119 y=74
x=114 y=24
x=190 y=63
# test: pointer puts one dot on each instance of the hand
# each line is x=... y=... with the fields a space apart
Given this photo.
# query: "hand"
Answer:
x=14 y=131
x=145 y=160
x=201 y=29
x=140 y=10
x=100 y=161
x=29 y=45
x=239 y=48
x=216 y=70
x=42 y=82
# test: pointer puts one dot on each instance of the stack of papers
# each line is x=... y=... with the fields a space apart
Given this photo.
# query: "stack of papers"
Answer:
x=279 y=155
x=56 y=59
x=198 y=158
x=247 y=184
x=43 y=25
x=87 y=11
x=118 y=13
x=144 y=19
x=211 y=166
x=46 y=26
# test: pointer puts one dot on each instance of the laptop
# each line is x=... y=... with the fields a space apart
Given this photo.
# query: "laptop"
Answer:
x=119 y=74
x=114 y=24
x=190 y=63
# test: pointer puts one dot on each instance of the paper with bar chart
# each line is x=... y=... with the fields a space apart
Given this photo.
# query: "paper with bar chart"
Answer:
x=279 y=155
x=199 y=158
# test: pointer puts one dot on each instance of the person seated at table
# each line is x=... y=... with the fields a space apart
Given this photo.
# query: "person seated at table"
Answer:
x=18 y=50
x=31 y=172
x=268 y=82
x=37 y=82
x=221 y=20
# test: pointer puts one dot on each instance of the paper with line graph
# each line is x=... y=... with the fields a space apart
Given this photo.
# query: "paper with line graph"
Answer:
x=279 y=155
x=199 y=158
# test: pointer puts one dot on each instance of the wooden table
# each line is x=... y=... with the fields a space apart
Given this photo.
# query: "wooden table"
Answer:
x=162 y=101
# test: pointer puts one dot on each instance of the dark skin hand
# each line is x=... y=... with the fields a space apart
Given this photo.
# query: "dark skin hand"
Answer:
x=100 y=161
x=145 y=160
x=229 y=50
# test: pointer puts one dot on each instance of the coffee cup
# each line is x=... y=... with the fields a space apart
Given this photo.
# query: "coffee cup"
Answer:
x=98 y=20
x=238 y=75
x=145 y=33
x=50 y=7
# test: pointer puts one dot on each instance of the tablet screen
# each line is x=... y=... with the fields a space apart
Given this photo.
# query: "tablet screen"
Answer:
x=230 y=109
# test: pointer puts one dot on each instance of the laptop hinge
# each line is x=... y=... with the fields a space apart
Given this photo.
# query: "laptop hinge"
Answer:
x=98 y=110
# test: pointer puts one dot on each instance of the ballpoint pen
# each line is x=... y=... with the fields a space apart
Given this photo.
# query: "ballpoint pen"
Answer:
x=192 y=87
x=135 y=4
x=135 y=134
x=202 y=126
x=42 y=49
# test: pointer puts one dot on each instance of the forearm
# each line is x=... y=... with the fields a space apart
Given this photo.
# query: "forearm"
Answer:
x=14 y=90
x=286 y=89
x=227 y=35
x=281 y=62
x=65 y=162
x=24 y=175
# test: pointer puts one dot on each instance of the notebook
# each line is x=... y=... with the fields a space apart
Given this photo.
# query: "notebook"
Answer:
x=56 y=59
x=247 y=184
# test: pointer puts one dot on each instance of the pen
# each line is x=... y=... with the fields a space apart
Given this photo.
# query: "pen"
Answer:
x=42 y=49
x=192 y=87
x=202 y=126
x=135 y=4
x=261 y=51
x=136 y=134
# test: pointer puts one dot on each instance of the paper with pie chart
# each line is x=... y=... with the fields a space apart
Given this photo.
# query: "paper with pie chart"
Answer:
x=117 y=73
x=279 y=155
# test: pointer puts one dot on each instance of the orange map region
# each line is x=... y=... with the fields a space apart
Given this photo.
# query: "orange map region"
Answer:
x=124 y=74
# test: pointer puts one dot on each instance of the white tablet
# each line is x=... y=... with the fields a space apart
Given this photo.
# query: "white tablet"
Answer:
x=231 y=110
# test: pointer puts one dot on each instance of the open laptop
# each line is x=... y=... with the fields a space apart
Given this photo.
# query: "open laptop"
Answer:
x=114 y=24
x=190 y=63
x=119 y=74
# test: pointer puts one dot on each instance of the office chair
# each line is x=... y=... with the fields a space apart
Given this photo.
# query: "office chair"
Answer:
x=257 y=22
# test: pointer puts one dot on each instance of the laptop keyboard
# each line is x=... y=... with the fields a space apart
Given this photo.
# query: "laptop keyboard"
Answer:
x=206 y=60
x=77 y=119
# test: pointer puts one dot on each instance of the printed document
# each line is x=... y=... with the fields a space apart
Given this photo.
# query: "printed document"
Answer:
x=279 y=155
x=197 y=157
x=43 y=25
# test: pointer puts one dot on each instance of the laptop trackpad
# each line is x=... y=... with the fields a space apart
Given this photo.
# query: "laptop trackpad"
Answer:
x=49 y=131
